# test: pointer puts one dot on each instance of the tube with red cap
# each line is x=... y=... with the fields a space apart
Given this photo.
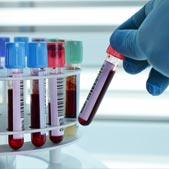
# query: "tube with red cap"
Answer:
x=100 y=86
x=56 y=106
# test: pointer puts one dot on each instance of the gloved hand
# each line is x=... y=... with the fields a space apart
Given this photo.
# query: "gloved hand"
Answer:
x=144 y=40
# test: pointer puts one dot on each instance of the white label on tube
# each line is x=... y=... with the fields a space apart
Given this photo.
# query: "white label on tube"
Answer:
x=57 y=104
x=96 y=89
x=18 y=105
x=60 y=95
x=42 y=100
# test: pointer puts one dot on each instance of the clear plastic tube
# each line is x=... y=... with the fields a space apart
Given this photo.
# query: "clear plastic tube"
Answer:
x=56 y=105
x=37 y=62
x=72 y=92
x=100 y=86
x=72 y=97
x=38 y=107
x=16 y=109
x=14 y=62
x=74 y=58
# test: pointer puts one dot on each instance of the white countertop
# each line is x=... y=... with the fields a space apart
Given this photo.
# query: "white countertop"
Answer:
x=70 y=157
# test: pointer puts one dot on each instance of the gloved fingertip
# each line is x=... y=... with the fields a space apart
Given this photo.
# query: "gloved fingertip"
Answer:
x=153 y=89
x=116 y=39
x=156 y=83
x=129 y=68
x=133 y=66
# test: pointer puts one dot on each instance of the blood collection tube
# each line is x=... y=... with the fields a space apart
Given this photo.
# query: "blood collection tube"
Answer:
x=100 y=86
x=56 y=63
x=74 y=57
x=3 y=87
x=14 y=62
x=37 y=62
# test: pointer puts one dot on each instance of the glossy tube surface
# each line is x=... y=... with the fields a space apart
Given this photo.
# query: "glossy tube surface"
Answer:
x=100 y=86
x=38 y=138
x=56 y=109
x=56 y=105
x=38 y=108
x=16 y=114
x=96 y=94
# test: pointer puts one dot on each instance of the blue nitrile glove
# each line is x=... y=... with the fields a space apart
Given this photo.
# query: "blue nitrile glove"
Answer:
x=144 y=40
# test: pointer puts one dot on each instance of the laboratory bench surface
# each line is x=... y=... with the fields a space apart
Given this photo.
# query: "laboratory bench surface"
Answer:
x=128 y=144
x=70 y=157
x=105 y=144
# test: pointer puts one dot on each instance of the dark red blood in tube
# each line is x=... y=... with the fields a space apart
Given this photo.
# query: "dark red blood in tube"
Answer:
x=98 y=101
x=38 y=139
x=14 y=143
x=54 y=139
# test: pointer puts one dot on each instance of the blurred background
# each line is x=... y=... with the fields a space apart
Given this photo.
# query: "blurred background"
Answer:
x=131 y=127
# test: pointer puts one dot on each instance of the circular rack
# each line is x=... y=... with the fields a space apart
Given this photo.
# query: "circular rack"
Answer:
x=28 y=147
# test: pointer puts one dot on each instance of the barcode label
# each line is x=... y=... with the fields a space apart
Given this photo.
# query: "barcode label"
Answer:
x=57 y=104
x=97 y=78
x=18 y=106
x=60 y=96
x=22 y=102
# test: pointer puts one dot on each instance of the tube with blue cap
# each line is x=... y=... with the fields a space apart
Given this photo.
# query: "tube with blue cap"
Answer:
x=37 y=62
x=14 y=62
